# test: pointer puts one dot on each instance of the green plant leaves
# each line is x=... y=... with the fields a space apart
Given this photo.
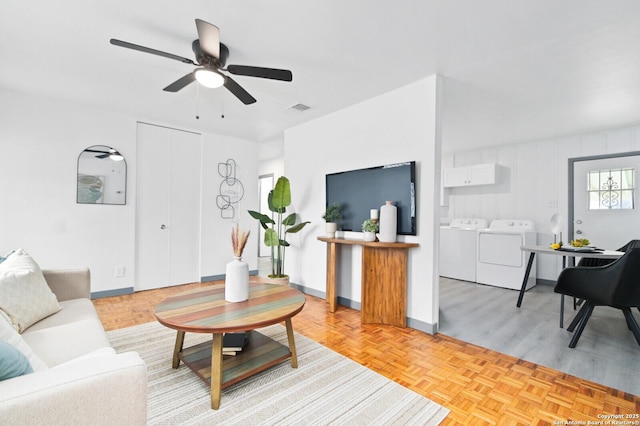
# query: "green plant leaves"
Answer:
x=281 y=194
x=296 y=228
x=263 y=218
x=271 y=238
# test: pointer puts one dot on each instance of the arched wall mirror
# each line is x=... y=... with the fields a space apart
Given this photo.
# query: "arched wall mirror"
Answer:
x=102 y=176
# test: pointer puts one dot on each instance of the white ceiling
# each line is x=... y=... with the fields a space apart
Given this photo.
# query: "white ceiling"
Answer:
x=514 y=70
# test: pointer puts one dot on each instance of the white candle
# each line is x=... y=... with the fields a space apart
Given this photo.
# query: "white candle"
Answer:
x=374 y=213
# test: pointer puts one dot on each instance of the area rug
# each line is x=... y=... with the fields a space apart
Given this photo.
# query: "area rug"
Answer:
x=326 y=388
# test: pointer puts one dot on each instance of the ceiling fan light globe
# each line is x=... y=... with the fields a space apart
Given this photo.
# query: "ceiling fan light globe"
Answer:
x=209 y=78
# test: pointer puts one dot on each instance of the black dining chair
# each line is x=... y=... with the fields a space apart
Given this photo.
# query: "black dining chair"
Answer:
x=616 y=284
x=594 y=261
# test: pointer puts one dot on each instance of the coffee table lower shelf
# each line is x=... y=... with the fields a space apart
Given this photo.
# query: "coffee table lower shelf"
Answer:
x=260 y=353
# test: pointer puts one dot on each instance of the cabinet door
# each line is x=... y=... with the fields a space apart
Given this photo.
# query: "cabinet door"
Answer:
x=456 y=176
x=482 y=174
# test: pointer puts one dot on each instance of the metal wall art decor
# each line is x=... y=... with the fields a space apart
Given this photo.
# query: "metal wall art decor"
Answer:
x=231 y=189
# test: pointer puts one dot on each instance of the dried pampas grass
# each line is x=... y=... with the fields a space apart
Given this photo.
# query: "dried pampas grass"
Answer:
x=238 y=240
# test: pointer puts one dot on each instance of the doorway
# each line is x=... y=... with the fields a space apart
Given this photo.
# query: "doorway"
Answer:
x=603 y=199
x=265 y=185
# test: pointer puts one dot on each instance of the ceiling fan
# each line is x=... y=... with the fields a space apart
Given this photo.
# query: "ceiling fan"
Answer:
x=211 y=58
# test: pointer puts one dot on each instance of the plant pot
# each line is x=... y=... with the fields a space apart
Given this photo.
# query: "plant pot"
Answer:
x=279 y=280
x=369 y=236
x=330 y=229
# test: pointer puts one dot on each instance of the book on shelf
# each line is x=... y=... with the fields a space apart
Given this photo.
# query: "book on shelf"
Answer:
x=232 y=343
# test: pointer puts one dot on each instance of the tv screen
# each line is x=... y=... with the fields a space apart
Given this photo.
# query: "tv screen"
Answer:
x=359 y=191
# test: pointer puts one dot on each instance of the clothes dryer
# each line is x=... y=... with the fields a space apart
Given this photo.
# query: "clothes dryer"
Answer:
x=501 y=262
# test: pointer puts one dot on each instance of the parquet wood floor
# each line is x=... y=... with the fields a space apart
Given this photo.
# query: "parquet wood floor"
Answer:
x=478 y=385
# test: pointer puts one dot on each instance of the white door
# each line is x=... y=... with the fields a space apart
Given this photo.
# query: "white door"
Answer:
x=184 y=208
x=597 y=215
x=167 y=207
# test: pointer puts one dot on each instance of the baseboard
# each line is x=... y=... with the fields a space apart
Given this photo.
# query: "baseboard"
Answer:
x=425 y=327
x=110 y=293
x=411 y=322
x=541 y=281
x=221 y=276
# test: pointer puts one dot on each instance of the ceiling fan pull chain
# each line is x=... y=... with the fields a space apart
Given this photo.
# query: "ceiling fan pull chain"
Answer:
x=197 y=101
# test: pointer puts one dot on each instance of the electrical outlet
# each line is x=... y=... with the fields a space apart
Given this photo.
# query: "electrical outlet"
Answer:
x=119 y=271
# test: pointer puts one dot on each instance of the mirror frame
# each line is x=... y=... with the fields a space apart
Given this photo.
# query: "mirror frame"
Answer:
x=95 y=180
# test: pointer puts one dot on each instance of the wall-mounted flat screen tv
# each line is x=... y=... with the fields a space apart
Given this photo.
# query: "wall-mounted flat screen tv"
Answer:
x=359 y=191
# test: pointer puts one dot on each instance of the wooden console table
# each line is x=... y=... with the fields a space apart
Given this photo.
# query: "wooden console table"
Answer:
x=384 y=279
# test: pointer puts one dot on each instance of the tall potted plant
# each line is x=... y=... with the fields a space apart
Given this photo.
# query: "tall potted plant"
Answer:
x=276 y=231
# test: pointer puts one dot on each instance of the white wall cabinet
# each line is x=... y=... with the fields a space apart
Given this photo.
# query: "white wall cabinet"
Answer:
x=478 y=174
x=167 y=207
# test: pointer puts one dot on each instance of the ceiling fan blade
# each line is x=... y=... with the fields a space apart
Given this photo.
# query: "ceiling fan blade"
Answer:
x=181 y=83
x=272 y=73
x=139 y=48
x=238 y=91
x=209 y=36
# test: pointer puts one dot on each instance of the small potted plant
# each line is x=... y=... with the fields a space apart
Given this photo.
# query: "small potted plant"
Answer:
x=331 y=216
x=369 y=229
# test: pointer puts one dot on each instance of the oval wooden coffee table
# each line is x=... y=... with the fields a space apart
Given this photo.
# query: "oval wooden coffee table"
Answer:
x=205 y=311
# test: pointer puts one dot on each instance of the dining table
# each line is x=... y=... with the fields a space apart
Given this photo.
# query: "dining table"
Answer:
x=569 y=255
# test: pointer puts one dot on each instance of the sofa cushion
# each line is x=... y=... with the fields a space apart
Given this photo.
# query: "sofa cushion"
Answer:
x=24 y=294
x=11 y=336
x=13 y=363
x=71 y=311
x=56 y=345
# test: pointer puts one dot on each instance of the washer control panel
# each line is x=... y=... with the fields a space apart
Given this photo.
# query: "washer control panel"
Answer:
x=516 y=225
x=468 y=223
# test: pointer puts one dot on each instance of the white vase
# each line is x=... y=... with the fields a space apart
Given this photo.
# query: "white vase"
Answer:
x=330 y=229
x=388 y=223
x=236 y=282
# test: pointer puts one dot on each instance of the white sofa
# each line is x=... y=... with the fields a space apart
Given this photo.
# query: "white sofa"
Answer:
x=78 y=378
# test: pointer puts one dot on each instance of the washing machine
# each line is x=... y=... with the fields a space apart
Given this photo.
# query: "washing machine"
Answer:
x=501 y=262
x=458 y=245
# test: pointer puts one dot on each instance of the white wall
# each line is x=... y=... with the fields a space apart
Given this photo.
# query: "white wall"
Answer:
x=402 y=125
x=533 y=183
x=40 y=140
x=216 y=232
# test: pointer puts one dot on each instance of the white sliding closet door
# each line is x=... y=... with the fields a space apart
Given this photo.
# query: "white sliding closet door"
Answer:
x=167 y=207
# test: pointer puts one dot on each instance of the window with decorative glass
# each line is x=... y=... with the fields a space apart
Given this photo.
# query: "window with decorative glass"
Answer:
x=611 y=189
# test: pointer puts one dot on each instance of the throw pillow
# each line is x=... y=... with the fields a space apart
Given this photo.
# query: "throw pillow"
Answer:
x=11 y=336
x=13 y=363
x=24 y=294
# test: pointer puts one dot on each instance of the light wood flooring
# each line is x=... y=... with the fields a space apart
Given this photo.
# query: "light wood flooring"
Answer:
x=478 y=385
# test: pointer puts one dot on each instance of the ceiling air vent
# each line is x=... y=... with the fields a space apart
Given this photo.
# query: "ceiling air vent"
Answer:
x=299 y=107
